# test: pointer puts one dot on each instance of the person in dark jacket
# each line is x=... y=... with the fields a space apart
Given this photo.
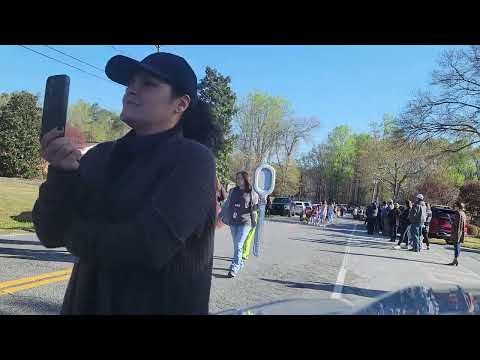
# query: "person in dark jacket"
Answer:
x=268 y=208
x=458 y=230
x=386 y=228
x=379 y=217
x=417 y=218
x=394 y=220
x=387 y=224
x=404 y=223
x=137 y=213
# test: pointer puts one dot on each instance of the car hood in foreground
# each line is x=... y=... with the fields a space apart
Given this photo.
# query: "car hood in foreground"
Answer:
x=416 y=300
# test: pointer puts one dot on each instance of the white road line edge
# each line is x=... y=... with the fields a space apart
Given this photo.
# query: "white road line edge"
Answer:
x=337 y=290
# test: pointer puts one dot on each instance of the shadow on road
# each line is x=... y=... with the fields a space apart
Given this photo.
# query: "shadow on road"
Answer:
x=350 y=243
x=221 y=269
x=350 y=231
x=285 y=220
x=19 y=242
x=30 y=305
x=329 y=287
x=366 y=239
x=385 y=257
x=220 y=276
x=25 y=216
x=224 y=258
x=39 y=255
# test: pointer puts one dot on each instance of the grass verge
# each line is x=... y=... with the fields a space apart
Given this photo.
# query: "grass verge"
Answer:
x=17 y=197
x=470 y=242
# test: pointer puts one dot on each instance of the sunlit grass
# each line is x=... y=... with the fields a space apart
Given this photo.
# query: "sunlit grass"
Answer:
x=470 y=242
x=16 y=202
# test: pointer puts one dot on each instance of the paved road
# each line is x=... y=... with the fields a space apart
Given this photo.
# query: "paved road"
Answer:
x=298 y=261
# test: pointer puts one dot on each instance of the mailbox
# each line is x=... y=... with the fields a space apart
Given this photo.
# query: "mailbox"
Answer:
x=263 y=184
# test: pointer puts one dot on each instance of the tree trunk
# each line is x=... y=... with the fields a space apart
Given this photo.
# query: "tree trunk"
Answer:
x=395 y=183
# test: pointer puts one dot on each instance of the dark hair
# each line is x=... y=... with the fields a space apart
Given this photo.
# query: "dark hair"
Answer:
x=246 y=180
x=199 y=124
x=460 y=205
x=408 y=203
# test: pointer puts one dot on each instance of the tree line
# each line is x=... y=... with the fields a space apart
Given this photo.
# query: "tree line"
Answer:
x=430 y=147
x=20 y=122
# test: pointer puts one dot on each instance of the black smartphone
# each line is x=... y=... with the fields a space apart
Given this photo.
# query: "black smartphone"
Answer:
x=55 y=103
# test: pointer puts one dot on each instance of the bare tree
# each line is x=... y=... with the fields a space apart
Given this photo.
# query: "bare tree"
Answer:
x=293 y=132
x=394 y=161
x=259 y=125
x=451 y=110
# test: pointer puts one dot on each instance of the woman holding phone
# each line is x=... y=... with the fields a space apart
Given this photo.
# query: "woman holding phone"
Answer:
x=138 y=213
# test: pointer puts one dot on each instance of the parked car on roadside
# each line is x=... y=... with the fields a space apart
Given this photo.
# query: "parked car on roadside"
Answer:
x=301 y=207
x=282 y=206
x=441 y=224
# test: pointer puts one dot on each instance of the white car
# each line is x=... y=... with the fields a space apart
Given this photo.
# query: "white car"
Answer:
x=300 y=207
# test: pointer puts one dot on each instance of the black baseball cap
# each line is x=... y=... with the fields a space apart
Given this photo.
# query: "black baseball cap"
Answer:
x=170 y=68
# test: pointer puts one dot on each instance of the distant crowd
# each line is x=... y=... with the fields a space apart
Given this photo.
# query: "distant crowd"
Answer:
x=412 y=224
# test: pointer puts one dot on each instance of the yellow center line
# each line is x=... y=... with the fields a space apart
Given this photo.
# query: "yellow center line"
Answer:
x=15 y=289
x=12 y=286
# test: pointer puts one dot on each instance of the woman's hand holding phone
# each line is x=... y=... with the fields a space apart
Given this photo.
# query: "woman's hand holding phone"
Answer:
x=59 y=151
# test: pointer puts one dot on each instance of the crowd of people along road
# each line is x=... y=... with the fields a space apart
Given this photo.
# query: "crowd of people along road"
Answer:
x=324 y=213
x=412 y=224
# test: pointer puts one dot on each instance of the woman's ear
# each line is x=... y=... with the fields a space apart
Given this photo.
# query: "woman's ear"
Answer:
x=182 y=104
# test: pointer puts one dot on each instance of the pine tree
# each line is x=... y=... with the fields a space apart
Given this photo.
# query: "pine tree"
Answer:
x=215 y=90
x=20 y=122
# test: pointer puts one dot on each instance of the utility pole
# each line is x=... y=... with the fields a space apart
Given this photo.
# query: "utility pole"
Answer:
x=157 y=47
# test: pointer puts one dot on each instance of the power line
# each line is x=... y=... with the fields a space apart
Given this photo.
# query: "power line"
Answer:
x=120 y=51
x=64 y=63
x=74 y=58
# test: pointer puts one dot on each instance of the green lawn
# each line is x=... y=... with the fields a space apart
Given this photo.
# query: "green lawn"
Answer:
x=17 y=197
x=470 y=242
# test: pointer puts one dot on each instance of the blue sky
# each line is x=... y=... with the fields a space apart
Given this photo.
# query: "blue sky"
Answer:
x=350 y=85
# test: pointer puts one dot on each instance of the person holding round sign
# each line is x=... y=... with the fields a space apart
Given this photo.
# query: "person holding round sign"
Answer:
x=241 y=203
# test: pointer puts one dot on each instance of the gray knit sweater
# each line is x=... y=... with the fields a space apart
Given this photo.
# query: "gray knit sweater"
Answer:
x=139 y=215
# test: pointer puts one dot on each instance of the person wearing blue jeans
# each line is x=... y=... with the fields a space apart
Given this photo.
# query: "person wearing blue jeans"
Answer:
x=417 y=217
x=239 y=235
x=242 y=201
x=458 y=230
x=456 y=251
x=415 y=235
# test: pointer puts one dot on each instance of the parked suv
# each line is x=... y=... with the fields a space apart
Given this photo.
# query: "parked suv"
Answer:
x=441 y=224
x=282 y=206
